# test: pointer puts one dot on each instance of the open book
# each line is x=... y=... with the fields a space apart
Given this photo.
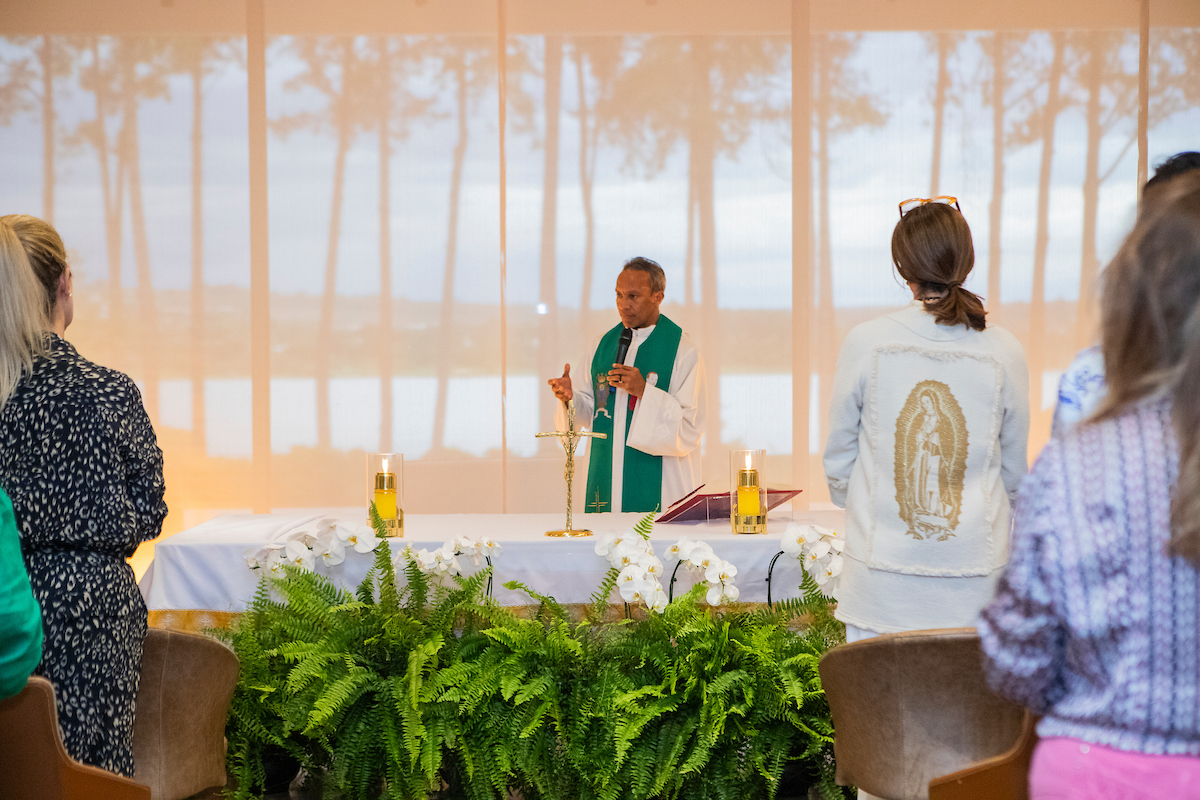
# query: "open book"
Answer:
x=702 y=507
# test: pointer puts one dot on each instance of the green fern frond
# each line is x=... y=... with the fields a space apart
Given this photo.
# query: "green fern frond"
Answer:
x=645 y=525
x=599 y=604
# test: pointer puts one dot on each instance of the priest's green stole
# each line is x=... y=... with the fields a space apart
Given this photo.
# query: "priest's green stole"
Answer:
x=641 y=483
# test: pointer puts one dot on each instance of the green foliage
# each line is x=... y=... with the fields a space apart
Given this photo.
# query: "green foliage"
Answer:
x=645 y=525
x=424 y=690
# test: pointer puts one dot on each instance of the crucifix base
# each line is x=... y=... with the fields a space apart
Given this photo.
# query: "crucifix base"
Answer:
x=568 y=533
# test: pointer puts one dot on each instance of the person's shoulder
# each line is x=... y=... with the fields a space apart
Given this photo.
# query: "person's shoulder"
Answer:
x=107 y=386
x=1088 y=362
x=1003 y=340
x=687 y=344
x=881 y=330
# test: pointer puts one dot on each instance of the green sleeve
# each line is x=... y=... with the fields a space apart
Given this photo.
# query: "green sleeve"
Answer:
x=20 y=615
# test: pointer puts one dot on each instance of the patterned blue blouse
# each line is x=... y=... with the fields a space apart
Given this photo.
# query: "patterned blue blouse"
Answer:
x=1080 y=390
x=79 y=459
x=1094 y=625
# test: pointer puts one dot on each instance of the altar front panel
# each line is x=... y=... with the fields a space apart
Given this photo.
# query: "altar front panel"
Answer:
x=205 y=567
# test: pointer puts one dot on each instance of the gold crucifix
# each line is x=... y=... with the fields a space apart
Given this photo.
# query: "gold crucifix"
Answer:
x=570 y=440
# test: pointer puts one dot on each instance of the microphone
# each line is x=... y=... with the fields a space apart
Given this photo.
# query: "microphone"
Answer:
x=623 y=345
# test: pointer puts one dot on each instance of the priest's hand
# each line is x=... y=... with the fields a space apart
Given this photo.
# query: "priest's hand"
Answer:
x=562 y=386
x=628 y=378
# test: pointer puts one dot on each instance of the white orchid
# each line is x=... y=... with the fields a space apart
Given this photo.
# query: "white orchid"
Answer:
x=681 y=549
x=607 y=543
x=467 y=546
x=449 y=567
x=641 y=545
x=298 y=554
x=652 y=566
x=637 y=591
x=303 y=536
x=817 y=552
x=819 y=549
x=630 y=574
x=489 y=547
x=796 y=537
x=359 y=536
x=258 y=557
x=719 y=594
x=329 y=549
x=624 y=554
x=720 y=572
x=658 y=602
x=702 y=556
x=829 y=570
x=275 y=562
x=425 y=560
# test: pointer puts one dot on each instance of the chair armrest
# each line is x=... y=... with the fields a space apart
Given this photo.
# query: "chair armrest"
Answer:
x=83 y=781
x=1002 y=777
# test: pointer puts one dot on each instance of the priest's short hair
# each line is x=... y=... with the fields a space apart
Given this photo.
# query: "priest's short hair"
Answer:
x=658 y=278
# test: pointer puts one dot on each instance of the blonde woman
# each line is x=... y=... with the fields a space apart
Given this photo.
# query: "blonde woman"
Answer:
x=1096 y=622
x=79 y=460
x=927 y=441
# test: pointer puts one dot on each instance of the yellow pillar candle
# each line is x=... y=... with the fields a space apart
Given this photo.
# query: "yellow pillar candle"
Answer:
x=748 y=504
x=385 y=494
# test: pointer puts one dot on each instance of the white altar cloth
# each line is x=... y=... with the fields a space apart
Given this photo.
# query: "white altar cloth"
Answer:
x=205 y=568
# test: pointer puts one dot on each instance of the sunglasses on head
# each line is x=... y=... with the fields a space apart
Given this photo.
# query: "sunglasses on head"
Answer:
x=909 y=205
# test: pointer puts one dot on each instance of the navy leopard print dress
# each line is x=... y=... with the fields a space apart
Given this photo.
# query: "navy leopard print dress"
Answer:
x=79 y=459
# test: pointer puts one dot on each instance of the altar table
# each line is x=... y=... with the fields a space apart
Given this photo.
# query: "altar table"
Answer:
x=204 y=567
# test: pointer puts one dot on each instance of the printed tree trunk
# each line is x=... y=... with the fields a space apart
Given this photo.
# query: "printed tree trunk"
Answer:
x=1037 y=309
x=587 y=174
x=386 y=328
x=939 y=113
x=446 y=323
x=112 y=191
x=996 y=207
x=344 y=124
x=46 y=56
x=826 y=337
x=199 y=433
x=147 y=308
x=689 y=254
x=548 y=361
x=1090 y=266
x=702 y=154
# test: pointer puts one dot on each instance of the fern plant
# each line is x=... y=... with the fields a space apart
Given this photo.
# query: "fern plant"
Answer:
x=409 y=689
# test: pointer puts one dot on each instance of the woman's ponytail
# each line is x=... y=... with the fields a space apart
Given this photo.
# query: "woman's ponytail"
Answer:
x=23 y=312
x=958 y=307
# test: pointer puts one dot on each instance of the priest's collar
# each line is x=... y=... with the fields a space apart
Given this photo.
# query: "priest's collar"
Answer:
x=640 y=334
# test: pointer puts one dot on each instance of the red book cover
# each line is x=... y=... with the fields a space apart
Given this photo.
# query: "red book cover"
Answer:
x=715 y=506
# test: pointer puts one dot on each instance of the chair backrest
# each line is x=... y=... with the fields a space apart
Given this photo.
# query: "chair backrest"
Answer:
x=35 y=766
x=179 y=725
x=909 y=707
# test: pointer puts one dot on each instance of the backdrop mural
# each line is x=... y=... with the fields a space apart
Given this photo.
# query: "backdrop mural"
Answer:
x=663 y=129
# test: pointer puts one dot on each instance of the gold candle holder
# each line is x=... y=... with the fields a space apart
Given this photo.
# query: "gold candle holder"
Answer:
x=385 y=490
x=747 y=498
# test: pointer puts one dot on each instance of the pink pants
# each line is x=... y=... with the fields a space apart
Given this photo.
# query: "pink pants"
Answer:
x=1068 y=769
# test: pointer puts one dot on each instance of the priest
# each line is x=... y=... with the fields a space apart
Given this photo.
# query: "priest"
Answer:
x=642 y=384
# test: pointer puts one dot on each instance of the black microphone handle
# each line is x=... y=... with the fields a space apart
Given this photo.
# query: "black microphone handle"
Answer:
x=623 y=345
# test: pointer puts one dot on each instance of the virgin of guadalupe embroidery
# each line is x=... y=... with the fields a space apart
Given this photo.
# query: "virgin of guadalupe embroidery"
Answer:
x=931 y=461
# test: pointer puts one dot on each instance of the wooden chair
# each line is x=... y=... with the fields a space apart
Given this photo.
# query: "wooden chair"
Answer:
x=35 y=766
x=179 y=725
x=914 y=720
